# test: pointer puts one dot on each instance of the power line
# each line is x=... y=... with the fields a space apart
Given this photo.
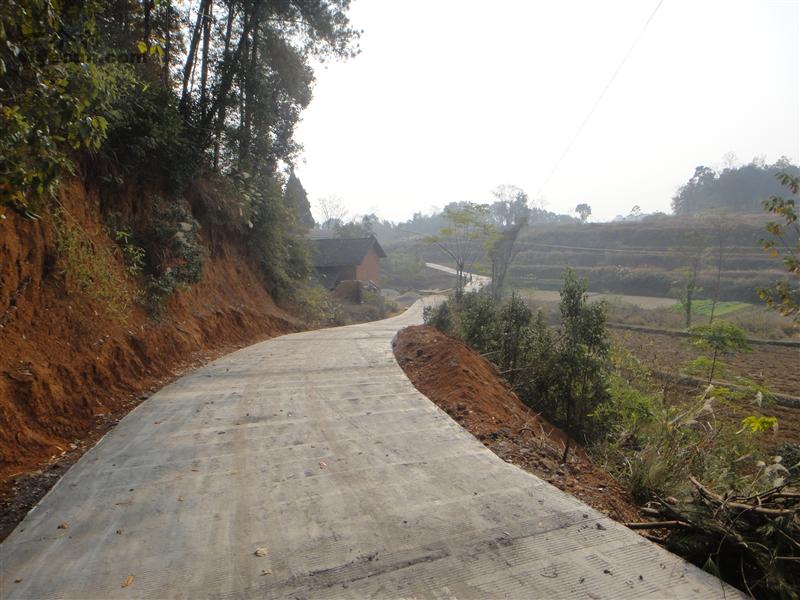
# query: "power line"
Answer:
x=600 y=98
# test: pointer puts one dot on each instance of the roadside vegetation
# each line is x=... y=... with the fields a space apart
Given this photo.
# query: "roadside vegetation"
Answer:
x=716 y=489
x=180 y=122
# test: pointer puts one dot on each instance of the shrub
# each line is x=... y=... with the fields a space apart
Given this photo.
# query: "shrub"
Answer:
x=477 y=321
x=317 y=306
x=719 y=337
x=173 y=251
x=632 y=401
x=439 y=316
x=750 y=540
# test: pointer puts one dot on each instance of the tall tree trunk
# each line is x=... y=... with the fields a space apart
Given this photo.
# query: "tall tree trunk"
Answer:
x=148 y=8
x=229 y=72
x=220 y=123
x=688 y=307
x=249 y=99
x=204 y=61
x=188 y=68
x=243 y=83
x=168 y=43
x=719 y=278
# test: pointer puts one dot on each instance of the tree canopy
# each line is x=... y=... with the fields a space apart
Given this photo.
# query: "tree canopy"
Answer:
x=734 y=189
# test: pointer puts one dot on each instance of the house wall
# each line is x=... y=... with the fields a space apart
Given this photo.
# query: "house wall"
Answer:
x=370 y=267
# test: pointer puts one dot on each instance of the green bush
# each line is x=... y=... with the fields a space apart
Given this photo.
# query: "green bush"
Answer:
x=146 y=135
x=477 y=321
x=317 y=306
x=173 y=250
x=50 y=106
x=439 y=316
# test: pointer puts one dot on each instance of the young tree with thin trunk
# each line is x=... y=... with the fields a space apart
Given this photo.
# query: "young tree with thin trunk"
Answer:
x=720 y=337
x=464 y=239
x=721 y=230
x=692 y=256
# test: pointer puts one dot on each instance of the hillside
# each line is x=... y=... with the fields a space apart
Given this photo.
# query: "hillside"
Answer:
x=72 y=361
x=643 y=258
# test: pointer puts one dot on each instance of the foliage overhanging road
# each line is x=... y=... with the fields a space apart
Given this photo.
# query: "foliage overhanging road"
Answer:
x=309 y=466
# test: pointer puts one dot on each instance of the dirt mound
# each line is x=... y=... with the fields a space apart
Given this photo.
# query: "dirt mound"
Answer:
x=468 y=388
x=69 y=370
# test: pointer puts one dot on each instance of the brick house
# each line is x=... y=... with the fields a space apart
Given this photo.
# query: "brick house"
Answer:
x=343 y=259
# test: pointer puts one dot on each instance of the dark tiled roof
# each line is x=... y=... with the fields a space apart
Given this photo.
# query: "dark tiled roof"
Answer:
x=343 y=252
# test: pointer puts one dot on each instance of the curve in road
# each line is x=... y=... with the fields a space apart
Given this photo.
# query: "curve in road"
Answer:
x=309 y=466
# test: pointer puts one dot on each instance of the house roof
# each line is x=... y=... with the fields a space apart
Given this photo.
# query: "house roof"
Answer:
x=343 y=252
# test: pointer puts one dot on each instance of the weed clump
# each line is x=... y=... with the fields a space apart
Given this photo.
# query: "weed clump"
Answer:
x=91 y=267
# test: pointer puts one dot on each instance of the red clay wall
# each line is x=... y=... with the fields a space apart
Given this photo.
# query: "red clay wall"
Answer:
x=370 y=267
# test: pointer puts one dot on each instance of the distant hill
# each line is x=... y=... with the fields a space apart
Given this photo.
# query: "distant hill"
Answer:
x=737 y=189
x=647 y=257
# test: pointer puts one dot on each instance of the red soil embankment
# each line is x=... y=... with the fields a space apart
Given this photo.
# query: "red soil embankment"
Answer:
x=468 y=388
x=69 y=370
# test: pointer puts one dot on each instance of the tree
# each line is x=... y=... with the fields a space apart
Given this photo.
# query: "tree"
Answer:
x=721 y=230
x=510 y=207
x=54 y=101
x=692 y=255
x=502 y=251
x=719 y=337
x=736 y=189
x=784 y=296
x=363 y=227
x=464 y=237
x=582 y=356
x=509 y=214
x=583 y=210
x=297 y=197
x=333 y=212
x=729 y=160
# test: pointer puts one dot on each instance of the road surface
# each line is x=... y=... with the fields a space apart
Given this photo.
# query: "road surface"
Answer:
x=309 y=466
x=472 y=285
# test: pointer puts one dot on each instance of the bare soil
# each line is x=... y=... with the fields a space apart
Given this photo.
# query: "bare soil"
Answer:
x=776 y=367
x=468 y=388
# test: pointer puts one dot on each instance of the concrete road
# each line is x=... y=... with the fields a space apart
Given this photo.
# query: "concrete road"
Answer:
x=474 y=284
x=309 y=466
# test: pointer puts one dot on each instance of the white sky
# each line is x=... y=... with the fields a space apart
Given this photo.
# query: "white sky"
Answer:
x=451 y=98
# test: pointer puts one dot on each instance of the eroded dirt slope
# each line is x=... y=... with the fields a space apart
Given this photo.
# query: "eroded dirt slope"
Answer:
x=468 y=388
x=69 y=370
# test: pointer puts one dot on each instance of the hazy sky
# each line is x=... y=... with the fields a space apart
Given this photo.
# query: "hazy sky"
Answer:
x=451 y=98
